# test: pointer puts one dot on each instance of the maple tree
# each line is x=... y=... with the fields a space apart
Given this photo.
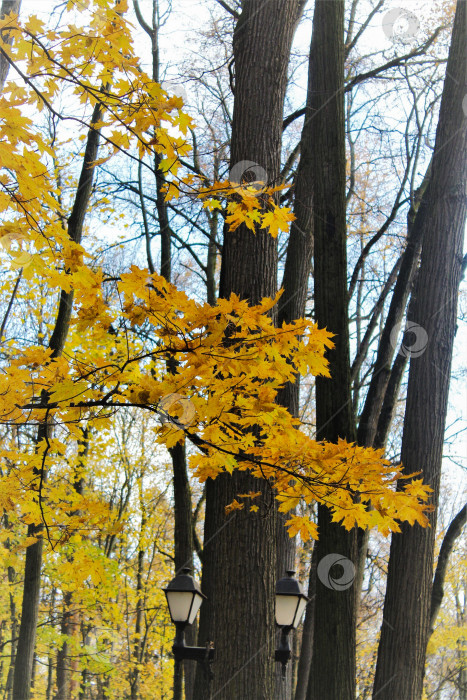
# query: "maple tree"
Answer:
x=119 y=334
x=85 y=378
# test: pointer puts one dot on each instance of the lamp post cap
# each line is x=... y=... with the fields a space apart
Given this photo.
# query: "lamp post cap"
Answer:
x=289 y=586
x=183 y=583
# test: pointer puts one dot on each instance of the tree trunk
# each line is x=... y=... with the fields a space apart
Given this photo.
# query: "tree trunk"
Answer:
x=381 y=374
x=183 y=520
x=50 y=660
x=7 y=37
x=240 y=588
x=453 y=532
x=404 y=633
x=380 y=402
x=69 y=627
x=33 y=564
x=29 y=617
x=306 y=651
x=63 y=654
x=11 y=573
x=332 y=675
x=298 y=264
x=135 y=673
x=211 y=262
x=183 y=530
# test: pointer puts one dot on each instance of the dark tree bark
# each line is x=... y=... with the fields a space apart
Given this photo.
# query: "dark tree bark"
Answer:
x=7 y=7
x=183 y=525
x=404 y=633
x=239 y=554
x=211 y=262
x=33 y=563
x=390 y=400
x=332 y=675
x=249 y=261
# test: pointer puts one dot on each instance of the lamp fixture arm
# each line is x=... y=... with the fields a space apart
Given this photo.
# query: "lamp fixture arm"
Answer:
x=181 y=651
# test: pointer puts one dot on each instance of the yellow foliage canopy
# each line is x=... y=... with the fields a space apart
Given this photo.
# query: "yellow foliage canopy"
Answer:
x=230 y=359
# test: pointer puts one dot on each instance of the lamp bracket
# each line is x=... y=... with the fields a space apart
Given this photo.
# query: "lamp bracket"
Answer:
x=204 y=655
x=194 y=653
x=284 y=653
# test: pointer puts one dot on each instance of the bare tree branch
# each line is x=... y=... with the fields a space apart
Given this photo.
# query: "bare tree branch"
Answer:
x=147 y=235
x=399 y=60
x=350 y=43
x=453 y=532
x=142 y=22
x=229 y=9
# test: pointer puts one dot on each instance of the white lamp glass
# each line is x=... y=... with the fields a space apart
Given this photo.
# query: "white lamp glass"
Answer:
x=286 y=607
x=180 y=603
x=197 y=600
x=300 y=610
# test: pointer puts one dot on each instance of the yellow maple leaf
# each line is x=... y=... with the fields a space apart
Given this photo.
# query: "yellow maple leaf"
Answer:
x=303 y=526
x=277 y=220
x=235 y=505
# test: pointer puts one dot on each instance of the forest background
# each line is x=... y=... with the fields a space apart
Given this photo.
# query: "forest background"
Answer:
x=102 y=188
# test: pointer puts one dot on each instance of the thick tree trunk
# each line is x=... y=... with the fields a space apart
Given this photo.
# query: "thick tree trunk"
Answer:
x=404 y=633
x=33 y=564
x=240 y=587
x=29 y=617
x=332 y=675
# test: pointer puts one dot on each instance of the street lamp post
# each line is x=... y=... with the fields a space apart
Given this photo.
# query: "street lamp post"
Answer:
x=290 y=605
x=184 y=598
